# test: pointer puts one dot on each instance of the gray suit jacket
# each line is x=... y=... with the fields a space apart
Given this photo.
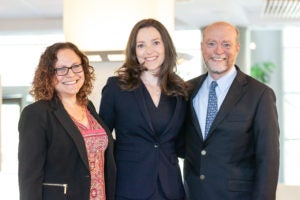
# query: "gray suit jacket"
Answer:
x=239 y=159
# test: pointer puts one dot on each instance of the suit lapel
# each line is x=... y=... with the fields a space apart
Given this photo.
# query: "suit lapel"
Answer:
x=196 y=84
x=236 y=91
x=73 y=131
x=175 y=114
x=142 y=106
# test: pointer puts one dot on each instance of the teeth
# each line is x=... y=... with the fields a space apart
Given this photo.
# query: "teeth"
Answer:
x=69 y=82
x=219 y=59
x=150 y=59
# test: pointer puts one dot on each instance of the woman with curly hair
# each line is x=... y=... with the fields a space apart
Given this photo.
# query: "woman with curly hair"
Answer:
x=145 y=105
x=65 y=149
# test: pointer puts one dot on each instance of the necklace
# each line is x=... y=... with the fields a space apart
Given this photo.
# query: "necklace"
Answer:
x=74 y=113
x=153 y=88
x=82 y=115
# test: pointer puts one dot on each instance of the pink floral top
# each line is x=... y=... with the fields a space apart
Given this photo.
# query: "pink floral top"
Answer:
x=96 y=142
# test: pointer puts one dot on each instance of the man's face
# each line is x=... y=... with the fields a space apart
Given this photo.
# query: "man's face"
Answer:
x=219 y=49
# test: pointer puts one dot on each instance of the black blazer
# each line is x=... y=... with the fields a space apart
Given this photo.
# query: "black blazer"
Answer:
x=142 y=156
x=239 y=160
x=52 y=150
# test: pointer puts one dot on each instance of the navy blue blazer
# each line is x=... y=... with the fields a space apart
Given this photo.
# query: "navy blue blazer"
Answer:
x=142 y=157
x=53 y=162
x=239 y=159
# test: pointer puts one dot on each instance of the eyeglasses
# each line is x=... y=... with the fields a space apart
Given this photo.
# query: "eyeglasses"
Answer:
x=62 y=71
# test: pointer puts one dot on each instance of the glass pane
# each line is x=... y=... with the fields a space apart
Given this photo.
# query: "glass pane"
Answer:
x=291 y=108
x=9 y=148
x=21 y=53
x=291 y=69
x=291 y=114
x=189 y=63
x=291 y=36
x=292 y=162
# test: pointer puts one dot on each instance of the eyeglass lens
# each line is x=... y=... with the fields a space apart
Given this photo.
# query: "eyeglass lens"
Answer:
x=65 y=70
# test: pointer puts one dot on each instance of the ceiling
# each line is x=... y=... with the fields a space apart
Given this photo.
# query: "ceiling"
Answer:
x=250 y=13
x=188 y=13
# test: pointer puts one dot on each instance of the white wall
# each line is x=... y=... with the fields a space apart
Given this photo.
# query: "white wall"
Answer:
x=103 y=70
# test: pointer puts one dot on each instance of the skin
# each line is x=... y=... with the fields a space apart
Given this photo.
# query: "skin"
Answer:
x=150 y=49
x=220 y=48
x=68 y=86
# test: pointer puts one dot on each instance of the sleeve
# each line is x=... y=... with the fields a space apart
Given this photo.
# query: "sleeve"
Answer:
x=266 y=129
x=107 y=104
x=31 y=153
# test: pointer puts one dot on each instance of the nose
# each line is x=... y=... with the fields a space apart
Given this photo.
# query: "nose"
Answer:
x=70 y=72
x=219 y=49
x=149 y=50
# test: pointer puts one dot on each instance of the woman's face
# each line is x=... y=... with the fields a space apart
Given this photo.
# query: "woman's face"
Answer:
x=68 y=81
x=150 y=50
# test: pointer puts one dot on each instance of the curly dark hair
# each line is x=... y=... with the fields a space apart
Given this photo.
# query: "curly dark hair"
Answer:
x=43 y=87
x=129 y=73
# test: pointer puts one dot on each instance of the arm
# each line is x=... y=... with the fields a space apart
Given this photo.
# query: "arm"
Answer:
x=32 y=153
x=107 y=110
x=266 y=130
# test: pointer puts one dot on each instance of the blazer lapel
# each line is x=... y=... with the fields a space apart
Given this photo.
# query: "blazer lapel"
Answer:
x=73 y=131
x=175 y=114
x=236 y=91
x=142 y=105
x=196 y=86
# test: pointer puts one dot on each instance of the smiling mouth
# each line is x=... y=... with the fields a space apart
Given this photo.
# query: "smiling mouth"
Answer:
x=150 y=59
x=70 y=82
x=218 y=59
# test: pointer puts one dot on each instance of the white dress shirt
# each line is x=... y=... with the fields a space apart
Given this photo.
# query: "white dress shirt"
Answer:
x=201 y=98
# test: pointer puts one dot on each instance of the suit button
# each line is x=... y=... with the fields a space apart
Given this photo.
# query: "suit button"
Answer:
x=203 y=152
x=155 y=146
x=202 y=177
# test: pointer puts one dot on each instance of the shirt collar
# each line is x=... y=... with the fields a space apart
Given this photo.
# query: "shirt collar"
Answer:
x=225 y=81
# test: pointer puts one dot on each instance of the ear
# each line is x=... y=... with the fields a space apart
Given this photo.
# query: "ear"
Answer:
x=238 y=47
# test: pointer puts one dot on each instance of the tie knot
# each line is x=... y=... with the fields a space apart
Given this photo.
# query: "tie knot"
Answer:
x=213 y=85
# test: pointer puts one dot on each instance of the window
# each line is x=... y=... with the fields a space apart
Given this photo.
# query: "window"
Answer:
x=187 y=43
x=291 y=107
x=19 y=57
x=9 y=147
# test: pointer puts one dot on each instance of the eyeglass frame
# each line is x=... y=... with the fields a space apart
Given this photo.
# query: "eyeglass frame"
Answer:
x=68 y=68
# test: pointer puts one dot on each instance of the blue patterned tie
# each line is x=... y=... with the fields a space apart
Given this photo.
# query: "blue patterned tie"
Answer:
x=212 y=107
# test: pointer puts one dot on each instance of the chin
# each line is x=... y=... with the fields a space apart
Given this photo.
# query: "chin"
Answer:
x=217 y=69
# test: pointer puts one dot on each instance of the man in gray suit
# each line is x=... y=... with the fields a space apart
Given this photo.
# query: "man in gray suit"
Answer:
x=237 y=157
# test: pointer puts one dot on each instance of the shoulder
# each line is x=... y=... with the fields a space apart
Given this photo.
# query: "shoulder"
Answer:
x=194 y=84
x=250 y=81
x=253 y=85
x=35 y=114
x=112 y=85
x=112 y=80
x=38 y=107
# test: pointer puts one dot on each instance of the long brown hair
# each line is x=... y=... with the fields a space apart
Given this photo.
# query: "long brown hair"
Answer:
x=129 y=73
x=42 y=85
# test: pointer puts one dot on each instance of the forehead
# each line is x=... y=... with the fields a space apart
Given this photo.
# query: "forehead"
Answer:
x=66 y=56
x=148 y=33
x=220 y=32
